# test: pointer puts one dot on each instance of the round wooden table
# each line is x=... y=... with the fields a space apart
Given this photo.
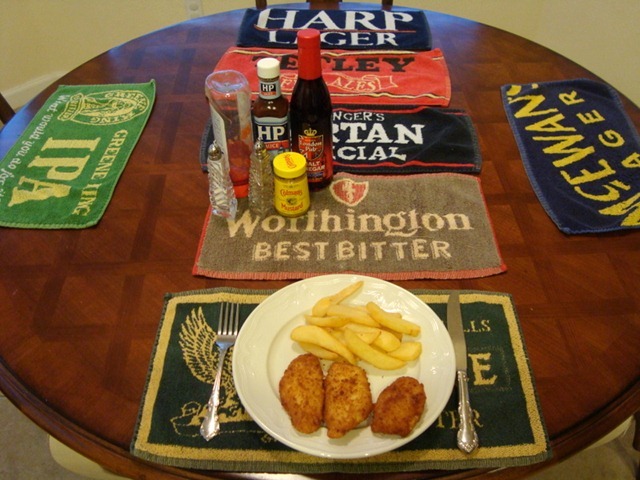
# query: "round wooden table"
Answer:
x=80 y=308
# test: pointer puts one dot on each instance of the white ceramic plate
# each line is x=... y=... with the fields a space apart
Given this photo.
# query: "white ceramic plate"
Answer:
x=263 y=351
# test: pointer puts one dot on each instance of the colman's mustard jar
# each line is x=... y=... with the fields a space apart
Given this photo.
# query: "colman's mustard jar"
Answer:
x=291 y=189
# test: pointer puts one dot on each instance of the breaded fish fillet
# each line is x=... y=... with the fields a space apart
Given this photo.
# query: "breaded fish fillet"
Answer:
x=399 y=407
x=347 y=400
x=302 y=393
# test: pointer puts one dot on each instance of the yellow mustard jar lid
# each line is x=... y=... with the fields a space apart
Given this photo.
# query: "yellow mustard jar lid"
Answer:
x=289 y=165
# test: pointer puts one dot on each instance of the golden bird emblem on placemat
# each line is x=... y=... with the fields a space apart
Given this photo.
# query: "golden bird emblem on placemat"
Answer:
x=197 y=340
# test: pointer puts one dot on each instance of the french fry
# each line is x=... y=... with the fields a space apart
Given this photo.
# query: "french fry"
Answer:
x=369 y=354
x=318 y=336
x=359 y=328
x=407 y=351
x=322 y=305
x=392 y=320
x=329 y=322
x=338 y=334
x=366 y=333
x=367 y=336
x=338 y=331
x=398 y=335
x=319 y=351
x=387 y=341
x=353 y=314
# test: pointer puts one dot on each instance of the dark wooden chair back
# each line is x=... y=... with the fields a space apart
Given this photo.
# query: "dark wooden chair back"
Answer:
x=6 y=112
x=262 y=4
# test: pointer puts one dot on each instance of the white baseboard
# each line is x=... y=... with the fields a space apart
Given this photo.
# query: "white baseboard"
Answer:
x=21 y=94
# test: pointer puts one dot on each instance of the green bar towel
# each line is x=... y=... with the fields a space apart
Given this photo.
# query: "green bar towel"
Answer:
x=62 y=171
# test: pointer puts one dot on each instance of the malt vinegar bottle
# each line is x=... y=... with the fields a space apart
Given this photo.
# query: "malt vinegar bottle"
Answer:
x=310 y=111
x=270 y=111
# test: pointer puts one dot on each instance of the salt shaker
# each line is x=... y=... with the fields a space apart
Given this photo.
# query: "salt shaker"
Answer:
x=221 y=194
x=260 y=180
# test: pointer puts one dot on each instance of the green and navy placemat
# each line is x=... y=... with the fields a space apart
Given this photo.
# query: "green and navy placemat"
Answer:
x=398 y=227
x=507 y=412
x=62 y=171
x=581 y=153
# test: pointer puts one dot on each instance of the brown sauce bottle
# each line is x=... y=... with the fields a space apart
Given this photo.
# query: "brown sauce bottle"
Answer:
x=270 y=111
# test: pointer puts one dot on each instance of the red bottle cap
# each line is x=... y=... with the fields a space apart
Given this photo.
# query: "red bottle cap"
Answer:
x=309 y=67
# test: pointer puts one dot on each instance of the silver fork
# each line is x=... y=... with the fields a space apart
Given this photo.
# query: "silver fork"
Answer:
x=228 y=326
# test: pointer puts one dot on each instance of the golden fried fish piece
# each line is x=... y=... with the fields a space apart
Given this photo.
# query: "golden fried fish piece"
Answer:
x=399 y=407
x=347 y=401
x=302 y=393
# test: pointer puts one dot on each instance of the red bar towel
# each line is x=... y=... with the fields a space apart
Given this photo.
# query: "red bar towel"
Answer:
x=376 y=76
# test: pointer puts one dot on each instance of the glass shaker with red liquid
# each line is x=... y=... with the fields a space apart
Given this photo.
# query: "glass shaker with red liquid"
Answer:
x=310 y=112
x=229 y=98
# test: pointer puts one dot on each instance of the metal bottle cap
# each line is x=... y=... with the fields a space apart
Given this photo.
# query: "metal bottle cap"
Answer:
x=214 y=152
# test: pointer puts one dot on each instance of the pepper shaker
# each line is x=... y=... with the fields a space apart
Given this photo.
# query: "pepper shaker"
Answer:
x=260 y=180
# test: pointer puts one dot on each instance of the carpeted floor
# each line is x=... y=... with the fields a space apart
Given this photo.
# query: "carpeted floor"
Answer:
x=24 y=455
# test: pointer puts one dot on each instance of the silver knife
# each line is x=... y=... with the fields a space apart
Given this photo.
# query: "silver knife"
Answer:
x=467 y=436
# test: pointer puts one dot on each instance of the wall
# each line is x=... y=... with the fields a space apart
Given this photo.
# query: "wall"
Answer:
x=602 y=36
x=43 y=39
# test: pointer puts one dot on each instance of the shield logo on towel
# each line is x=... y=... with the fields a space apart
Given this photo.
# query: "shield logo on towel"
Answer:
x=362 y=84
x=105 y=108
x=349 y=192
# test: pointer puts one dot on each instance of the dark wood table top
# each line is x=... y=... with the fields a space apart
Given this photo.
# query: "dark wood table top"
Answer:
x=80 y=308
